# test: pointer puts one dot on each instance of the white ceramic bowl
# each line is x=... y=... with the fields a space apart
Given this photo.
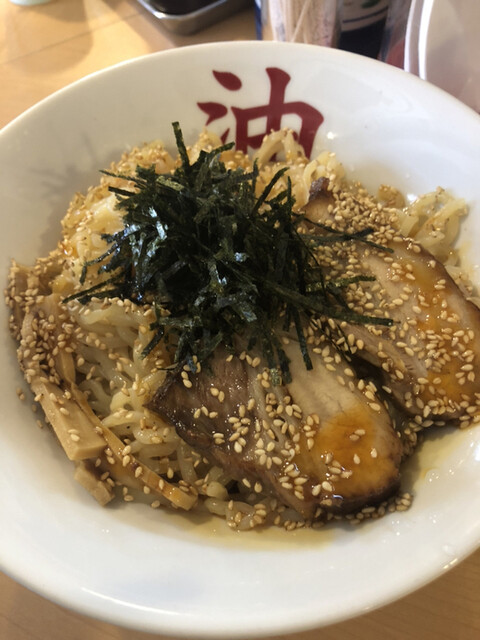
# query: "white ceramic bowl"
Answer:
x=158 y=571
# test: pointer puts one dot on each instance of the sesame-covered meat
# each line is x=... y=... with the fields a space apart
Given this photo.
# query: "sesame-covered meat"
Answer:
x=323 y=442
x=427 y=358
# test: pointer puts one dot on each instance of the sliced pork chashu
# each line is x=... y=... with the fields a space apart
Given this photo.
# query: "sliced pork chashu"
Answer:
x=429 y=355
x=320 y=443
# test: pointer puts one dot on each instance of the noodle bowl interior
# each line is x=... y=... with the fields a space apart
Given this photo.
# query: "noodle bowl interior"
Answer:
x=87 y=368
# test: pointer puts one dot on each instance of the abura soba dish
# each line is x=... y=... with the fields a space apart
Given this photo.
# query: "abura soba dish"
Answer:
x=263 y=341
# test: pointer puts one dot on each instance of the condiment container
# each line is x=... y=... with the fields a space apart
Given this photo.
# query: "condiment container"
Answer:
x=308 y=21
x=363 y=23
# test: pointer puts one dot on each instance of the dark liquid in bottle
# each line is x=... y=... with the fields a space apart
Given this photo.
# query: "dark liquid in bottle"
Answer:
x=365 y=41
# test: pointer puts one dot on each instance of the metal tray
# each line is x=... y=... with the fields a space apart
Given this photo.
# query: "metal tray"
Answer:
x=193 y=21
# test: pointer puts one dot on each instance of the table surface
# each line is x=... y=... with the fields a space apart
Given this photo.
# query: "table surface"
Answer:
x=43 y=48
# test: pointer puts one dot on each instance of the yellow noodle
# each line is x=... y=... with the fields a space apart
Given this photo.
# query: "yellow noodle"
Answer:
x=110 y=369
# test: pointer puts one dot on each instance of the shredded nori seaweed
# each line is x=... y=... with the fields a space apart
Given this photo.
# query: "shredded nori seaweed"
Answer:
x=215 y=261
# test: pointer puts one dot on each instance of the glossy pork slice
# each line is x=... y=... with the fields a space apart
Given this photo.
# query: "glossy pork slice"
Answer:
x=429 y=356
x=321 y=443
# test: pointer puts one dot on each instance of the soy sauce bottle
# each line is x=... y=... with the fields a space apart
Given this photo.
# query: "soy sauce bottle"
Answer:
x=363 y=23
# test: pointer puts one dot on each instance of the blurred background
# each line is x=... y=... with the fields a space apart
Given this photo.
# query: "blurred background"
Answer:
x=47 y=44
